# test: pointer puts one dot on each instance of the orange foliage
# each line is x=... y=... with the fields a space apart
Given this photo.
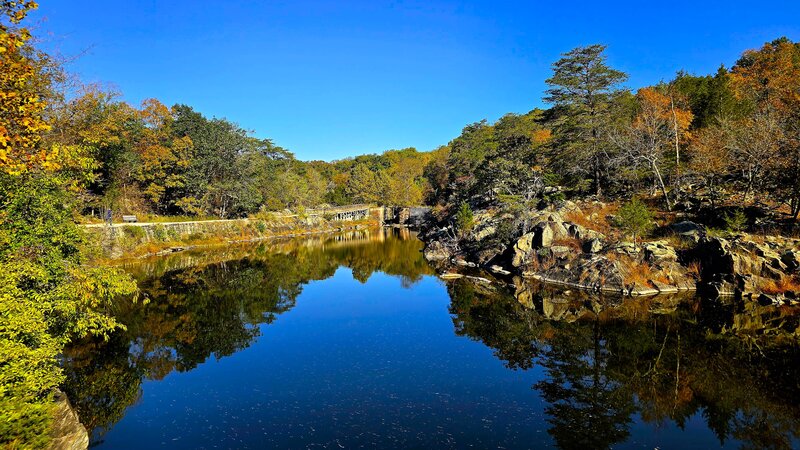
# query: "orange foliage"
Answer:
x=659 y=110
x=770 y=76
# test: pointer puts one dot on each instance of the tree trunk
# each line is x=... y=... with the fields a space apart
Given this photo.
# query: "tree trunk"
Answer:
x=677 y=146
x=661 y=184
x=598 y=189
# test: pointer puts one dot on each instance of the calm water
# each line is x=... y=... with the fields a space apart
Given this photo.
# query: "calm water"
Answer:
x=352 y=342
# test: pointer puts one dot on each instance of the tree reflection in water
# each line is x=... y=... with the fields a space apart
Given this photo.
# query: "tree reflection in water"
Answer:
x=607 y=363
x=211 y=303
x=666 y=359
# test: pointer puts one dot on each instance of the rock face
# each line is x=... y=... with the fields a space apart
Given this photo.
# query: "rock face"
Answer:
x=659 y=252
x=558 y=251
x=68 y=432
x=741 y=264
x=522 y=250
x=593 y=246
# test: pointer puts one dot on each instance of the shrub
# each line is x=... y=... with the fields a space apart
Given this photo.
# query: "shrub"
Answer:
x=134 y=232
x=735 y=222
x=160 y=233
x=635 y=218
x=465 y=220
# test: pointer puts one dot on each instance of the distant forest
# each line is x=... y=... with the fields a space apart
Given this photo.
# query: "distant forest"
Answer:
x=730 y=136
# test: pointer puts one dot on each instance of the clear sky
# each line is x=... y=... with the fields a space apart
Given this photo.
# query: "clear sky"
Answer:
x=330 y=79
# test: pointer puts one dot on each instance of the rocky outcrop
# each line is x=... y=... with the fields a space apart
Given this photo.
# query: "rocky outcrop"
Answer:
x=555 y=250
x=743 y=264
x=67 y=432
x=436 y=251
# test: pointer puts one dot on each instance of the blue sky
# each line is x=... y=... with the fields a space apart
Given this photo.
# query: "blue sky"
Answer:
x=332 y=79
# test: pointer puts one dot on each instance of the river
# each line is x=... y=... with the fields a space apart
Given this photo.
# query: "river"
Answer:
x=352 y=341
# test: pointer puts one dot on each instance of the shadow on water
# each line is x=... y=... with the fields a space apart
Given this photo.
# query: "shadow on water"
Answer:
x=608 y=363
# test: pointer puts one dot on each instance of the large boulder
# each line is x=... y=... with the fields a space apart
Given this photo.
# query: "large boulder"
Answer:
x=543 y=235
x=487 y=254
x=689 y=230
x=659 y=252
x=583 y=233
x=67 y=432
x=522 y=250
x=484 y=232
x=593 y=246
x=791 y=258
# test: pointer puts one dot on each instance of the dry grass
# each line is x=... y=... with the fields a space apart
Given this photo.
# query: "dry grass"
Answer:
x=694 y=269
x=639 y=272
x=573 y=243
x=785 y=284
x=541 y=263
x=594 y=216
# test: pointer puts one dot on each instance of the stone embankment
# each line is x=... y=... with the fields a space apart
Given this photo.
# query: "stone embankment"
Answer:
x=548 y=247
x=149 y=238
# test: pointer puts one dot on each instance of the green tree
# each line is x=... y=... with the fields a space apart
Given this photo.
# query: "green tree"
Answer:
x=582 y=89
x=635 y=218
x=464 y=218
x=362 y=186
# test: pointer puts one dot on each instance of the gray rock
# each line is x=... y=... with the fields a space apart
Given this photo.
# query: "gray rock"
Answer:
x=497 y=269
x=583 y=233
x=689 y=230
x=663 y=288
x=436 y=251
x=659 y=251
x=791 y=258
x=484 y=232
x=522 y=250
x=561 y=251
x=593 y=246
x=67 y=431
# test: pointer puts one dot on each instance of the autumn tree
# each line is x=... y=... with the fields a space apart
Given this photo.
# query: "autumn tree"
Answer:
x=48 y=296
x=363 y=185
x=658 y=128
x=764 y=143
x=710 y=160
x=582 y=89
x=405 y=184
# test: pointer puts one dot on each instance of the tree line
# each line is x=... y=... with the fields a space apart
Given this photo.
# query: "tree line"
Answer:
x=175 y=161
x=728 y=138
x=731 y=137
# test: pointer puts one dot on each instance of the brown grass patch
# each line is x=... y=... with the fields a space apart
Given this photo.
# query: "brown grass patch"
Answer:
x=785 y=284
x=640 y=272
x=593 y=216
x=571 y=242
x=541 y=263
x=694 y=269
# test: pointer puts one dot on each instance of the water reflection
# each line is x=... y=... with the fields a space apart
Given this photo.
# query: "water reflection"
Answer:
x=204 y=304
x=606 y=366
x=665 y=359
